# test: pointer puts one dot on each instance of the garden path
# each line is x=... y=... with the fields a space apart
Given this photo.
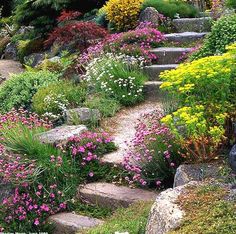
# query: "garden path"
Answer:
x=8 y=67
x=122 y=128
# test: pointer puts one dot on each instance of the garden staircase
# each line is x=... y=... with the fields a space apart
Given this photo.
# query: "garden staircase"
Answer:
x=110 y=195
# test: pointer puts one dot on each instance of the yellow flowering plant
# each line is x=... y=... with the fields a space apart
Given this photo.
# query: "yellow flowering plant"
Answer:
x=205 y=112
x=123 y=14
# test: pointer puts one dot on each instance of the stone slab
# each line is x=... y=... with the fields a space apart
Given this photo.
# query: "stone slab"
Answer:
x=113 y=196
x=169 y=55
x=154 y=71
x=202 y=24
x=69 y=223
x=60 y=134
x=185 y=36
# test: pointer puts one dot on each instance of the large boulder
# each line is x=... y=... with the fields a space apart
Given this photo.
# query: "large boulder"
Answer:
x=196 y=172
x=11 y=51
x=149 y=14
x=82 y=115
x=60 y=135
x=165 y=214
x=232 y=158
x=34 y=59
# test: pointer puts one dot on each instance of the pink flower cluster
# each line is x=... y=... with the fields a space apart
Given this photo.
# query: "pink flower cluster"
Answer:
x=23 y=206
x=135 y=42
x=89 y=146
x=15 y=169
x=21 y=116
x=149 y=157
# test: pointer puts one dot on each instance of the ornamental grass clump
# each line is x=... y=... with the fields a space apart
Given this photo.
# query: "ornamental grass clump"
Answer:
x=153 y=156
x=117 y=77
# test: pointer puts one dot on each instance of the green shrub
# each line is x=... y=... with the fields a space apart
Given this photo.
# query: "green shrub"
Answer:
x=117 y=77
x=223 y=33
x=231 y=3
x=107 y=106
x=57 y=97
x=171 y=8
x=19 y=89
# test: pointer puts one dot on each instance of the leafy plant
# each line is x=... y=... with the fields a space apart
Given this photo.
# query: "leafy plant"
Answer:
x=19 y=89
x=117 y=77
x=172 y=8
x=53 y=100
x=223 y=33
x=106 y=106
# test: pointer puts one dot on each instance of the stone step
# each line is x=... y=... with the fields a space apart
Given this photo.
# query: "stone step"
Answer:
x=61 y=134
x=152 y=90
x=185 y=37
x=154 y=71
x=70 y=223
x=113 y=196
x=202 y=24
x=169 y=55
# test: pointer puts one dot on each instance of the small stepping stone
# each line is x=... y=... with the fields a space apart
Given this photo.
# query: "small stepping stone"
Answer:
x=154 y=71
x=202 y=24
x=69 y=223
x=185 y=37
x=113 y=196
x=169 y=55
x=60 y=134
x=152 y=90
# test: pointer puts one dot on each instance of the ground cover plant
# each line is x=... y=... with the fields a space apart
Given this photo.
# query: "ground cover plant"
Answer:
x=172 y=8
x=212 y=213
x=153 y=155
x=54 y=100
x=132 y=220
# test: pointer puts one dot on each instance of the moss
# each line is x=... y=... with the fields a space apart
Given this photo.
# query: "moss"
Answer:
x=207 y=212
x=132 y=220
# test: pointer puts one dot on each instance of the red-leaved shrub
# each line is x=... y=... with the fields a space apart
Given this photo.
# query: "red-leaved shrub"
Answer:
x=68 y=15
x=83 y=34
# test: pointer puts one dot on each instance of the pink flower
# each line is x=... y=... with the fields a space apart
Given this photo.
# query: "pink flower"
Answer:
x=36 y=222
x=91 y=174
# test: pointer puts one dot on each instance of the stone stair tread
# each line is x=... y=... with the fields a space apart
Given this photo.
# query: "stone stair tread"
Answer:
x=113 y=196
x=153 y=82
x=171 y=49
x=60 y=134
x=68 y=222
x=163 y=65
x=186 y=34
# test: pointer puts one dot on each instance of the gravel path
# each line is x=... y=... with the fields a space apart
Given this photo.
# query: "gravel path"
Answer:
x=122 y=128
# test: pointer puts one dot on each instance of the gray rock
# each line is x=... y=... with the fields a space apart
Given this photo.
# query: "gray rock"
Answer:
x=25 y=29
x=113 y=196
x=6 y=189
x=82 y=115
x=149 y=14
x=195 y=172
x=60 y=135
x=232 y=158
x=69 y=223
x=192 y=24
x=11 y=51
x=55 y=59
x=34 y=59
x=165 y=214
